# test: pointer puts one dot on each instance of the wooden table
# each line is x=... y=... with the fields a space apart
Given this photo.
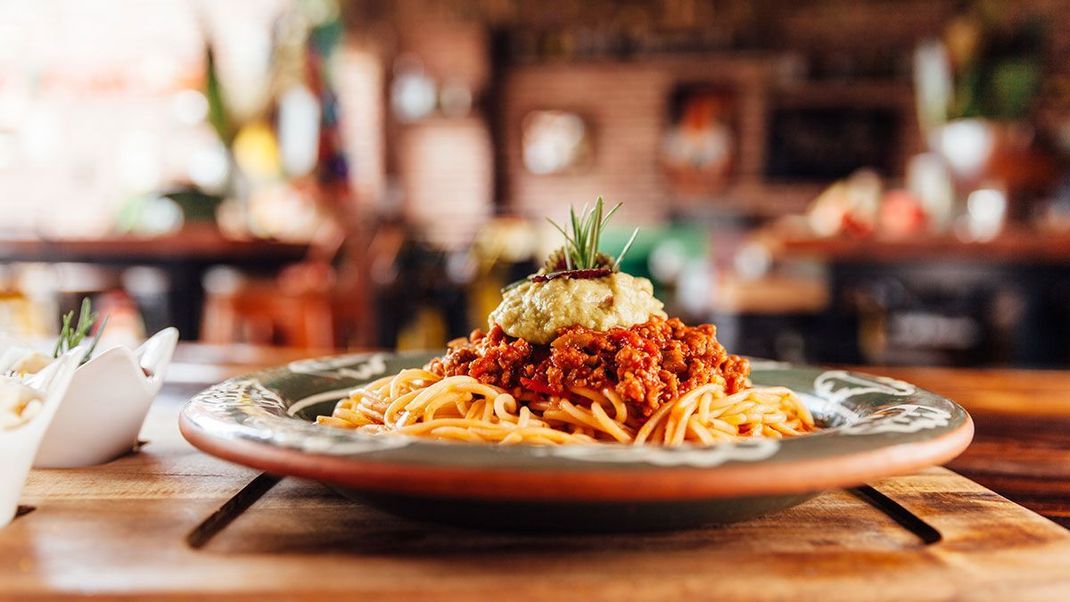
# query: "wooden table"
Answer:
x=185 y=256
x=1021 y=273
x=1014 y=246
x=120 y=529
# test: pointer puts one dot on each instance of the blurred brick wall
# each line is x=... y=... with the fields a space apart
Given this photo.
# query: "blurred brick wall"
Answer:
x=445 y=165
x=624 y=108
x=449 y=50
x=625 y=105
x=446 y=170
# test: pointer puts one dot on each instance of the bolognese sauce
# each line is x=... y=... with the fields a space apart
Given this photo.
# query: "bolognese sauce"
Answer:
x=646 y=365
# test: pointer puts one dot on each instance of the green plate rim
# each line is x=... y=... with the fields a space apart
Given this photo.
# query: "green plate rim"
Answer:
x=866 y=414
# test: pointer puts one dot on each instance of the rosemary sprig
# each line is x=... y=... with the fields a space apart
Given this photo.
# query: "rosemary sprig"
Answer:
x=627 y=246
x=72 y=334
x=585 y=232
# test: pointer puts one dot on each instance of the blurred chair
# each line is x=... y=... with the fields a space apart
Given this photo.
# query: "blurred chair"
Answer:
x=307 y=305
x=260 y=313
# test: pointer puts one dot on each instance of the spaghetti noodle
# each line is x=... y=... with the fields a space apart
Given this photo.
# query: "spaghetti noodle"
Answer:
x=420 y=403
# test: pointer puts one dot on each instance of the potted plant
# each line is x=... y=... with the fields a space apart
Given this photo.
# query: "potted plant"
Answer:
x=977 y=89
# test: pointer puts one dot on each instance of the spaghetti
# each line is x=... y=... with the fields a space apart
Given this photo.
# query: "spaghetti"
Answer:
x=420 y=403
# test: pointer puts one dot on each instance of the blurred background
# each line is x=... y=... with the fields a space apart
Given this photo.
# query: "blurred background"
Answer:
x=880 y=181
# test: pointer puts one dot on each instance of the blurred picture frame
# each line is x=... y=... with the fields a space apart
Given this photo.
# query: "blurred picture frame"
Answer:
x=700 y=145
x=828 y=142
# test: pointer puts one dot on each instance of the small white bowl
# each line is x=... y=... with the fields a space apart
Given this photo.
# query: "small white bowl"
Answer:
x=18 y=446
x=106 y=404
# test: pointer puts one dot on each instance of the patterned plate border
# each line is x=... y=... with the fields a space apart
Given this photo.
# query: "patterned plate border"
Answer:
x=863 y=412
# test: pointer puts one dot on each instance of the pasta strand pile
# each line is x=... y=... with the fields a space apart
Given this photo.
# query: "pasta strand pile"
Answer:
x=420 y=403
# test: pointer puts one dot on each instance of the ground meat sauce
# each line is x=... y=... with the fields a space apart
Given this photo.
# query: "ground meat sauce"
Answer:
x=647 y=364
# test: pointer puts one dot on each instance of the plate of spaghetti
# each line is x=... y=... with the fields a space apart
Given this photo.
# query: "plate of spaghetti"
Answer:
x=581 y=406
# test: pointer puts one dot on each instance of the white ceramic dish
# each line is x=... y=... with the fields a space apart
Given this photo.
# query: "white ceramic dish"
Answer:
x=106 y=404
x=18 y=446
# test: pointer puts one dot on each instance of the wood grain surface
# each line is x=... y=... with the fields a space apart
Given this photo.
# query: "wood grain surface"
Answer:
x=119 y=529
x=1021 y=446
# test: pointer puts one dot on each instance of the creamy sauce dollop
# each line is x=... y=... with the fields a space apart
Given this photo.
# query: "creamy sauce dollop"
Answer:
x=18 y=404
x=535 y=311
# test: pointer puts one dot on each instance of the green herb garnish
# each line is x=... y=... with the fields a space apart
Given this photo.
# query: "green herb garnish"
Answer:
x=581 y=241
x=70 y=336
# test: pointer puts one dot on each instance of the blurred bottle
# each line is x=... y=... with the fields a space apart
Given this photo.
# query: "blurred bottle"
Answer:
x=929 y=180
x=504 y=252
x=418 y=304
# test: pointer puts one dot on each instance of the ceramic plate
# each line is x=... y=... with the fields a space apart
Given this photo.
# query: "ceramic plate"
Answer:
x=873 y=427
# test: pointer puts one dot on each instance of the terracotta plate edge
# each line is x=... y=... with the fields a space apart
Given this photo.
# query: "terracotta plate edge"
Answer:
x=594 y=485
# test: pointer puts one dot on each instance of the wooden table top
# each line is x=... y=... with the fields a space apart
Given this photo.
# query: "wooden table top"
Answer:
x=1014 y=246
x=193 y=243
x=120 y=529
